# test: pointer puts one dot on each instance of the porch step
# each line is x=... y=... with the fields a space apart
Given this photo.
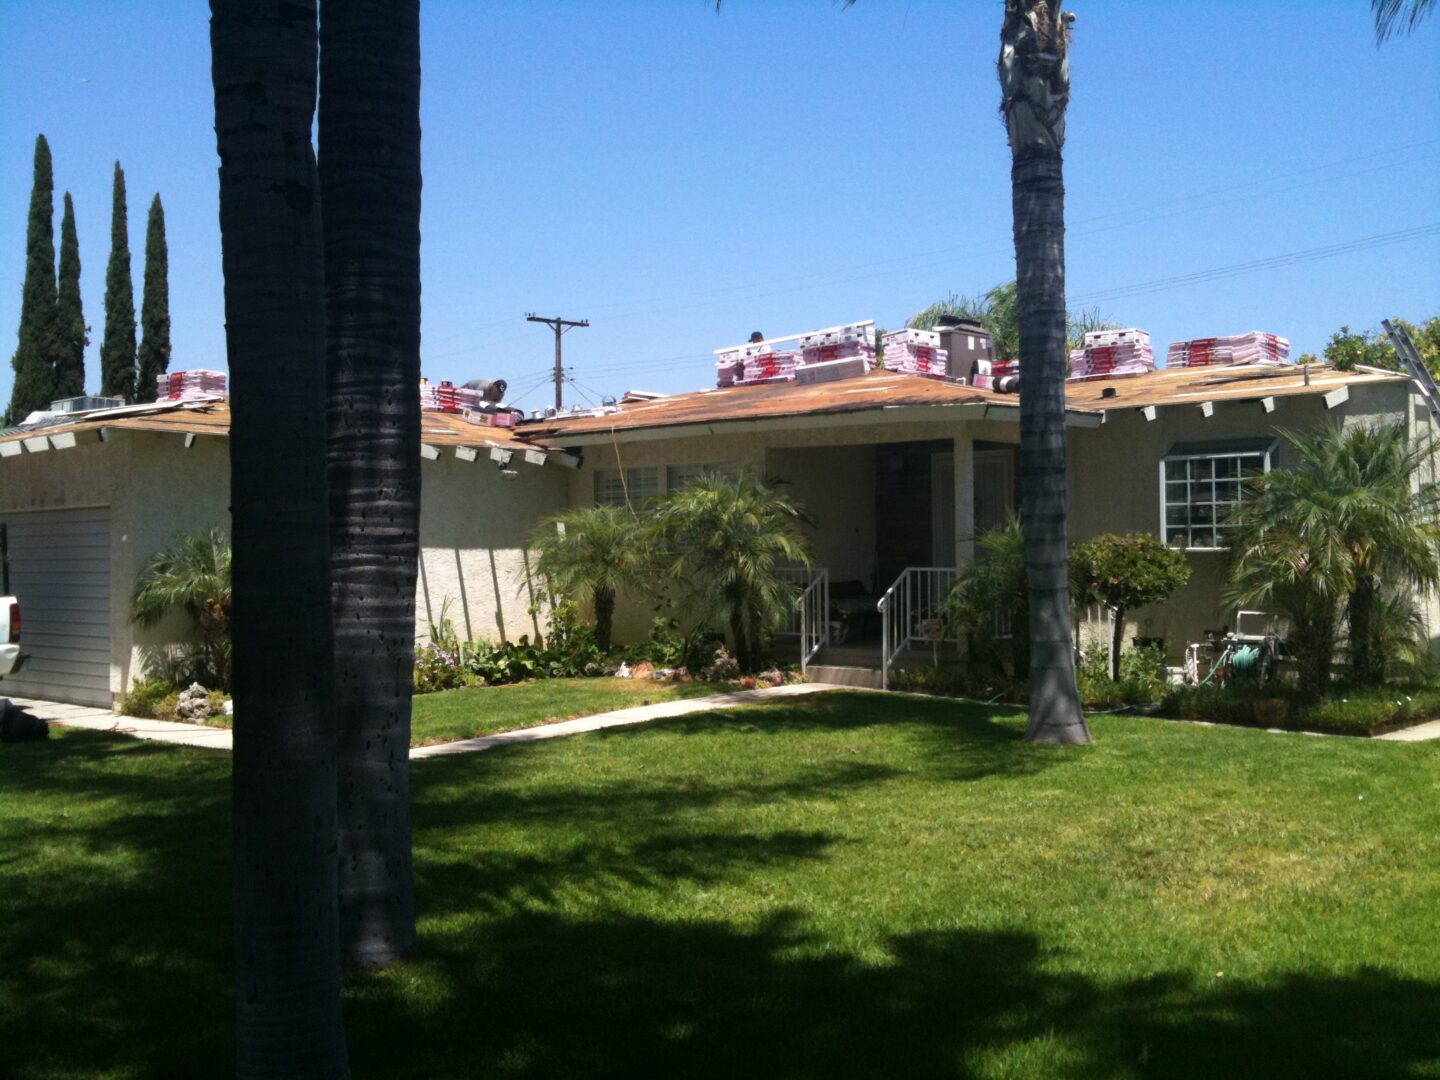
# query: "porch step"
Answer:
x=841 y=675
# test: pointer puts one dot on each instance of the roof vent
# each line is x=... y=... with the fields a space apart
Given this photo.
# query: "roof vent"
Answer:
x=1108 y=392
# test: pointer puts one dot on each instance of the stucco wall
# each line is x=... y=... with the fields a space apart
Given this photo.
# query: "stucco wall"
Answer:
x=474 y=527
x=1114 y=485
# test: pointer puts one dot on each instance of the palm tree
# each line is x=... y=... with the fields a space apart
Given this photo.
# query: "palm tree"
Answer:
x=1035 y=89
x=369 y=129
x=727 y=537
x=599 y=551
x=1348 y=519
x=994 y=584
x=287 y=1000
x=193 y=576
x=1390 y=14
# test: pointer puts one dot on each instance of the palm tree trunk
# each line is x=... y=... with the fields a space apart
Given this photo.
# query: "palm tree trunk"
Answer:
x=287 y=1000
x=1035 y=81
x=369 y=128
x=604 y=616
x=1367 y=665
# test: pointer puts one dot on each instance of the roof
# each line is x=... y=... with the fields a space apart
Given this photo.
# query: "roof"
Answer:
x=767 y=401
x=213 y=418
x=1242 y=382
x=869 y=393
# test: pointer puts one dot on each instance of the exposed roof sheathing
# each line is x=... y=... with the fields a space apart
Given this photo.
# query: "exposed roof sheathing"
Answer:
x=213 y=418
x=1192 y=386
x=865 y=393
x=873 y=390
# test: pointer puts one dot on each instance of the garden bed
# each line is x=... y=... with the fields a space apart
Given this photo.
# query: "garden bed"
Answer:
x=1363 y=713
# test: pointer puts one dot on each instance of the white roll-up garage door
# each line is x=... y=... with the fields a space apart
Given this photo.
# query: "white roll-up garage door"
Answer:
x=60 y=572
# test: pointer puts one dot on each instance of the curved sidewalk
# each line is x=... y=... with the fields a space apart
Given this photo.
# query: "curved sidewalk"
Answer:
x=215 y=738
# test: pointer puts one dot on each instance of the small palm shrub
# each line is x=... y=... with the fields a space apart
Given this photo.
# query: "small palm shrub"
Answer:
x=191 y=576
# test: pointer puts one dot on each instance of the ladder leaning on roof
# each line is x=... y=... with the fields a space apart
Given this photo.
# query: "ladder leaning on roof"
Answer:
x=1419 y=373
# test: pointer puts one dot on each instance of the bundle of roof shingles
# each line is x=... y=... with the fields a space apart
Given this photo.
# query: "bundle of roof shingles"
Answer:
x=1107 y=353
x=1253 y=348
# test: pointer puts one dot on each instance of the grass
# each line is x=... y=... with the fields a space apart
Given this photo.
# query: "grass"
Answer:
x=837 y=886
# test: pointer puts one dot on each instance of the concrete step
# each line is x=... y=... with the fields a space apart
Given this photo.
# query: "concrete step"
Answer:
x=841 y=675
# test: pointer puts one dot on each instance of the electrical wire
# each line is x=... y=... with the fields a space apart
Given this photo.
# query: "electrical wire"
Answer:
x=1328 y=251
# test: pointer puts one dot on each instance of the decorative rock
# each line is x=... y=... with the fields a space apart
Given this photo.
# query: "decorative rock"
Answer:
x=194 y=704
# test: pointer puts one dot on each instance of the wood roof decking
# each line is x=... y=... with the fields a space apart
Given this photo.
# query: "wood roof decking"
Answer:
x=213 y=418
x=771 y=401
x=1241 y=382
x=872 y=392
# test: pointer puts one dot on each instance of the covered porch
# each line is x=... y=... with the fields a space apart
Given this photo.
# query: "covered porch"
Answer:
x=889 y=522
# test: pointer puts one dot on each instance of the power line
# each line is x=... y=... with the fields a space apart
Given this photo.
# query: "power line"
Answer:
x=905 y=263
x=1273 y=262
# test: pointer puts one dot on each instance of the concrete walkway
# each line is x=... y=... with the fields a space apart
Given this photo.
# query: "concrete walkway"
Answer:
x=1419 y=733
x=619 y=718
x=93 y=719
x=83 y=716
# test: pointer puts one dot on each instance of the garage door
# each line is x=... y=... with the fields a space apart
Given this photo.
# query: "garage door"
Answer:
x=60 y=572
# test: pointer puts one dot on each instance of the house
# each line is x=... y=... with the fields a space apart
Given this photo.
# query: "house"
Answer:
x=897 y=473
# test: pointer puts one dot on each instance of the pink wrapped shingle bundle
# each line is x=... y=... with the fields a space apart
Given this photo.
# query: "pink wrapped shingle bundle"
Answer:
x=837 y=350
x=186 y=385
x=447 y=397
x=1110 y=353
x=1252 y=348
x=769 y=366
x=915 y=352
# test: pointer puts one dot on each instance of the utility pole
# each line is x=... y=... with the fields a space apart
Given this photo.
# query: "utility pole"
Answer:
x=559 y=326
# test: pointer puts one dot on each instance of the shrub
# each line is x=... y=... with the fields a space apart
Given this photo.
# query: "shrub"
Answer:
x=1123 y=573
x=1142 y=679
x=146 y=697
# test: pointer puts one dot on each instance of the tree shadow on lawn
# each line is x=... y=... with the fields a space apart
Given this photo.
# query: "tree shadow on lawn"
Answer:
x=537 y=995
x=115 y=951
x=955 y=740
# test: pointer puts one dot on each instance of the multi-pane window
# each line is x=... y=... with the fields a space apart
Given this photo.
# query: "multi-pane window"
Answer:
x=641 y=482
x=1202 y=489
x=677 y=476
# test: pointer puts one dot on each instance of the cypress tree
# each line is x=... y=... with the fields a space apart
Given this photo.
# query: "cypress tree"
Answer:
x=32 y=361
x=154 y=305
x=117 y=347
x=71 y=333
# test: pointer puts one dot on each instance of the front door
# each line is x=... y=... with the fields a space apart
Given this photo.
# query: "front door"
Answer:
x=995 y=472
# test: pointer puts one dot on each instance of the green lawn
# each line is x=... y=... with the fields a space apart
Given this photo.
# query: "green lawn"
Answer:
x=836 y=886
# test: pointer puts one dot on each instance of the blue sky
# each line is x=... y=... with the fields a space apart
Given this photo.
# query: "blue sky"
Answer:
x=681 y=178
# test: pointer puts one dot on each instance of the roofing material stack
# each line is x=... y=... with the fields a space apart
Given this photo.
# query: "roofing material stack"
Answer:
x=447 y=397
x=1256 y=347
x=1110 y=353
x=187 y=385
x=750 y=364
x=915 y=352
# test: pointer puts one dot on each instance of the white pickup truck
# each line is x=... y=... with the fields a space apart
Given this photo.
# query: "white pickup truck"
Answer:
x=11 y=658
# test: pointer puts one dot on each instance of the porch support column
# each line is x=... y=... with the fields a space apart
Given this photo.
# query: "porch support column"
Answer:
x=964 y=499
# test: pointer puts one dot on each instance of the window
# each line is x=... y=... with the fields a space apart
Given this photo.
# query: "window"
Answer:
x=642 y=482
x=1202 y=486
x=677 y=476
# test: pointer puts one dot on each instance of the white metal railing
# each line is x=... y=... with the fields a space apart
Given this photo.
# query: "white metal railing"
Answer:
x=813 y=611
x=908 y=610
x=810 y=617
